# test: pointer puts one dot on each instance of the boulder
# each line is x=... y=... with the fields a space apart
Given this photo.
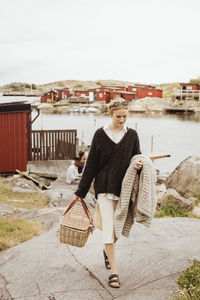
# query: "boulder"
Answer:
x=41 y=180
x=161 y=178
x=6 y=210
x=196 y=211
x=185 y=179
x=178 y=199
x=22 y=185
x=160 y=191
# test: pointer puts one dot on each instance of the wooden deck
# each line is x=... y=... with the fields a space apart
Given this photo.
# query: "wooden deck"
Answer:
x=179 y=110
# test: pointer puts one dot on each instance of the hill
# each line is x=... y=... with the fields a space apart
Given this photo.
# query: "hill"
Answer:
x=18 y=87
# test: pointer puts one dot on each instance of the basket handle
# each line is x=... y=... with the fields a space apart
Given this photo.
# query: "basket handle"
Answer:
x=86 y=210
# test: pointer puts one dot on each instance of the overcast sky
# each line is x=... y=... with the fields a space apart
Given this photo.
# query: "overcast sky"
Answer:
x=147 y=41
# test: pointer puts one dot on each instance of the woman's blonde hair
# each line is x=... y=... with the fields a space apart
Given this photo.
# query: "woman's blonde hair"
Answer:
x=112 y=106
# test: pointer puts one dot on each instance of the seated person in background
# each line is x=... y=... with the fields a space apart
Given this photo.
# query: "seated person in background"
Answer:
x=83 y=158
x=72 y=172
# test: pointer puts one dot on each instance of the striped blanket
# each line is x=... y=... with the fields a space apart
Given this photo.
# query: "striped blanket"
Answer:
x=138 y=197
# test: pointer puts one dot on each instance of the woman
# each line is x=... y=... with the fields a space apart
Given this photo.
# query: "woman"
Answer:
x=83 y=158
x=111 y=150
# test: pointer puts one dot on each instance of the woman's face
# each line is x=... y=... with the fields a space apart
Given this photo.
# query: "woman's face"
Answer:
x=119 y=117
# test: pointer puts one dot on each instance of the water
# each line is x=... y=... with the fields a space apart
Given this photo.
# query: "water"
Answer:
x=10 y=99
x=178 y=135
x=174 y=134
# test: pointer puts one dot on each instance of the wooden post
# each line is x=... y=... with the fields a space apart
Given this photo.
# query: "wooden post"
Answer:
x=152 y=144
x=136 y=126
x=82 y=138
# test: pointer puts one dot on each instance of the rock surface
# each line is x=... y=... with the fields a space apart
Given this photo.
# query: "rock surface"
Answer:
x=196 y=211
x=6 y=210
x=161 y=178
x=178 y=199
x=23 y=185
x=160 y=191
x=149 y=263
x=148 y=104
x=185 y=179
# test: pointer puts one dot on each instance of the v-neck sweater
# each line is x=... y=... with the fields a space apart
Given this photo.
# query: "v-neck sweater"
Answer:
x=107 y=162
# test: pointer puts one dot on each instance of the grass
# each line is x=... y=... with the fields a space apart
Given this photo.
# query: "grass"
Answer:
x=189 y=283
x=26 y=200
x=14 y=232
x=170 y=209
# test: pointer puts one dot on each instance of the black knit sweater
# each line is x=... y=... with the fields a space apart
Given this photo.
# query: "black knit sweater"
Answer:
x=107 y=162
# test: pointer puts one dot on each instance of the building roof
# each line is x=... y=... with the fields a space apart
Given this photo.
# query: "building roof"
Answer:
x=15 y=107
x=124 y=92
x=189 y=84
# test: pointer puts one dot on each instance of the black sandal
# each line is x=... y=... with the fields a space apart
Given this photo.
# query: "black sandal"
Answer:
x=107 y=264
x=114 y=278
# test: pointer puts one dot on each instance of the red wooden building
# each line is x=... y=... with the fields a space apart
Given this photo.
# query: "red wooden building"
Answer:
x=62 y=94
x=15 y=127
x=129 y=96
x=131 y=88
x=56 y=95
x=147 y=92
x=189 y=86
x=103 y=96
x=49 y=97
x=188 y=91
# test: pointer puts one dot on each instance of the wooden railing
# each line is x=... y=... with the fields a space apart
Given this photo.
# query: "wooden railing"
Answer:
x=53 y=144
x=187 y=93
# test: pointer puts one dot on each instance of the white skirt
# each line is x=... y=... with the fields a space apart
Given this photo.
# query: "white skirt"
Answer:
x=104 y=217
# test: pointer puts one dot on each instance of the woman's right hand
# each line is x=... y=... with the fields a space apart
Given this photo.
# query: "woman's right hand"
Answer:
x=138 y=165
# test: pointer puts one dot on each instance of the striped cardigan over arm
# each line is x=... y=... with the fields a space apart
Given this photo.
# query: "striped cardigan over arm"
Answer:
x=138 y=197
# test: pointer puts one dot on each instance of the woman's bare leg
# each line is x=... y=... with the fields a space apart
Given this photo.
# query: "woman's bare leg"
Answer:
x=110 y=251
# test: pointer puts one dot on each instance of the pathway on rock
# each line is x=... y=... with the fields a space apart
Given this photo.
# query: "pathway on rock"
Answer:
x=149 y=263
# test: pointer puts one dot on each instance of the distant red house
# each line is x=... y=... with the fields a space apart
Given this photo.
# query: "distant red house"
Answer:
x=55 y=95
x=63 y=93
x=129 y=96
x=49 y=97
x=188 y=91
x=189 y=86
x=131 y=88
x=103 y=96
x=147 y=92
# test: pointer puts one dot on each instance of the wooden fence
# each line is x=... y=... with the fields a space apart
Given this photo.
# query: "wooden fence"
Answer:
x=53 y=144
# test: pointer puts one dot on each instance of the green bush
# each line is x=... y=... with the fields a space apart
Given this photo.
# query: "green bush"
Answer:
x=171 y=209
x=197 y=80
x=189 y=283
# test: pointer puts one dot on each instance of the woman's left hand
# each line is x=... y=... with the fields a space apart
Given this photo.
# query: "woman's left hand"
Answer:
x=138 y=164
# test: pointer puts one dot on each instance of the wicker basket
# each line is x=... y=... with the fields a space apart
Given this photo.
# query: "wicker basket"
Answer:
x=76 y=224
